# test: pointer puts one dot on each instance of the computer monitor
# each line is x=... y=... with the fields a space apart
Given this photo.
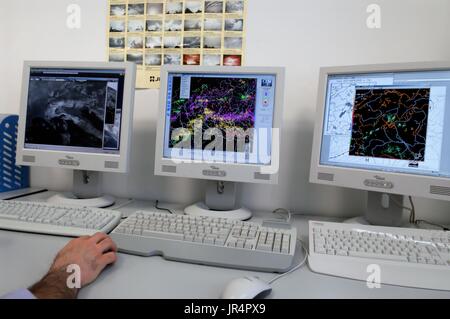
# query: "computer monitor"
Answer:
x=220 y=124
x=384 y=129
x=77 y=115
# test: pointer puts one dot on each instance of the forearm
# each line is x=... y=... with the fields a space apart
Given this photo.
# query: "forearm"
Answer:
x=54 y=286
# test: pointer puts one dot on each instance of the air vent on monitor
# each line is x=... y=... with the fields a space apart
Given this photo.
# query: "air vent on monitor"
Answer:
x=111 y=164
x=28 y=159
x=325 y=177
x=169 y=169
x=264 y=177
x=440 y=190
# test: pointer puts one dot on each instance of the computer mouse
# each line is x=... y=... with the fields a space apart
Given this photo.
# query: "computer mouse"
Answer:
x=246 y=288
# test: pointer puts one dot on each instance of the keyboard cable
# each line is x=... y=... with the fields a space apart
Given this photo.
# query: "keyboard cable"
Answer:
x=296 y=267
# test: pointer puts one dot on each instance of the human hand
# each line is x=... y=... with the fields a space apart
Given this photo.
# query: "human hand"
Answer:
x=91 y=253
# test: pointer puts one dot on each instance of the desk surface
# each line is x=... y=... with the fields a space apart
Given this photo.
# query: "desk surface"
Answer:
x=24 y=258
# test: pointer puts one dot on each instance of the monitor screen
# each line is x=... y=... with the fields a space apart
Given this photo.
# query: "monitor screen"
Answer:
x=392 y=122
x=74 y=110
x=225 y=118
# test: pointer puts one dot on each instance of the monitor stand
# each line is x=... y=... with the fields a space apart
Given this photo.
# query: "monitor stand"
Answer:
x=220 y=202
x=382 y=210
x=87 y=187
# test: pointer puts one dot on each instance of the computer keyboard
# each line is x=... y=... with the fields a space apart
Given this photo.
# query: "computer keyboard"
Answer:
x=53 y=219
x=406 y=257
x=206 y=240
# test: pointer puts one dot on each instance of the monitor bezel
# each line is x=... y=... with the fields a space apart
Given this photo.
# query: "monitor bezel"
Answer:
x=247 y=173
x=402 y=183
x=87 y=160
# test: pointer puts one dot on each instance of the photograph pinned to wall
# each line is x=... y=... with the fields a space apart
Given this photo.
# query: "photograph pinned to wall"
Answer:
x=118 y=10
x=211 y=59
x=117 y=42
x=155 y=8
x=193 y=25
x=154 y=25
x=174 y=7
x=153 y=59
x=191 y=59
x=152 y=33
x=116 y=56
x=137 y=9
x=153 y=42
x=213 y=6
x=232 y=60
x=136 y=25
x=174 y=59
x=192 y=42
x=193 y=7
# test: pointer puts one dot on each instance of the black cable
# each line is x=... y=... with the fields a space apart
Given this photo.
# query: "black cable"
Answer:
x=417 y=222
x=162 y=208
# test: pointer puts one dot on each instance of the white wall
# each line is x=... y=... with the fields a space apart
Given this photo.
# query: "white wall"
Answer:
x=298 y=34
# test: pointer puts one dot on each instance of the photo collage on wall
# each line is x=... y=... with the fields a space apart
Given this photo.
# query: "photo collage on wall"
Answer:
x=152 y=33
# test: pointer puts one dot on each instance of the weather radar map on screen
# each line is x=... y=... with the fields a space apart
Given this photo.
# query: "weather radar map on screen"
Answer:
x=74 y=110
x=388 y=121
x=216 y=102
x=227 y=110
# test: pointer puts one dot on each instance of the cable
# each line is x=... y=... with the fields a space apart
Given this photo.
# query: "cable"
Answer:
x=283 y=211
x=412 y=216
x=296 y=267
x=162 y=208
x=419 y=221
x=131 y=200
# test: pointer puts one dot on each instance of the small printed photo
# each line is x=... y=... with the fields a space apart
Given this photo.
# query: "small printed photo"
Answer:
x=172 y=59
x=117 y=42
x=172 y=42
x=234 y=24
x=173 y=25
x=193 y=7
x=136 y=9
x=266 y=82
x=192 y=25
x=116 y=57
x=174 y=7
x=154 y=8
x=192 y=42
x=191 y=59
x=153 y=59
x=154 y=25
x=233 y=43
x=117 y=10
x=213 y=6
x=211 y=59
x=213 y=25
x=135 y=42
x=232 y=60
x=117 y=26
x=136 y=25
x=234 y=6
x=212 y=42
x=153 y=42
x=135 y=57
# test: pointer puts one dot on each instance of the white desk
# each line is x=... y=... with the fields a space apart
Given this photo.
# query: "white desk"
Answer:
x=24 y=258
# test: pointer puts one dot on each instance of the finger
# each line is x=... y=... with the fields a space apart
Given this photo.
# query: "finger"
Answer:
x=107 y=244
x=107 y=259
x=98 y=237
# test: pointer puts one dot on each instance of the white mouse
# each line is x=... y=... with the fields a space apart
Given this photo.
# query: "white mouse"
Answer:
x=246 y=288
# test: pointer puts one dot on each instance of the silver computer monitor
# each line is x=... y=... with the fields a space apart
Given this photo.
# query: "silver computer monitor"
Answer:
x=384 y=129
x=76 y=115
x=220 y=124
